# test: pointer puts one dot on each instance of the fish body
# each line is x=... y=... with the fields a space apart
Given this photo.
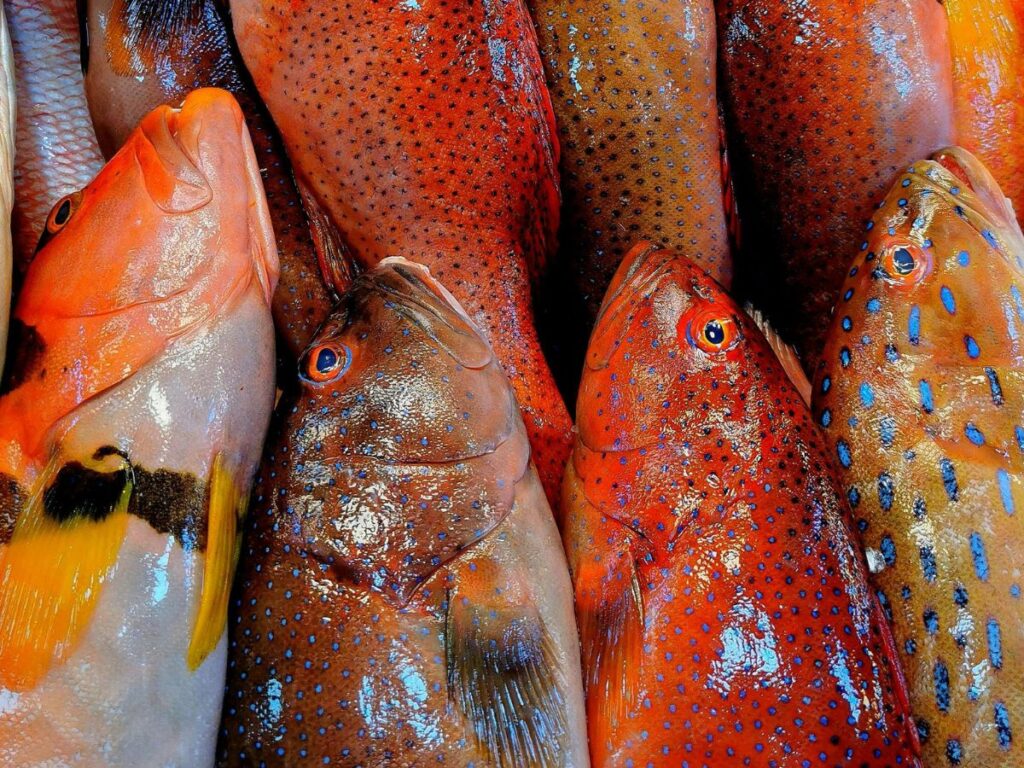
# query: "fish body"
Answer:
x=987 y=43
x=403 y=596
x=638 y=125
x=56 y=149
x=724 y=611
x=7 y=118
x=143 y=53
x=133 y=414
x=921 y=395
x=826 y=102
x=425 y=131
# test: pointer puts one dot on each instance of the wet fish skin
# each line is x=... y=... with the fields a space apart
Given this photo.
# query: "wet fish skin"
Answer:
x=724 y=611
x=8 y=108
x=403 y=596
x=920 y=393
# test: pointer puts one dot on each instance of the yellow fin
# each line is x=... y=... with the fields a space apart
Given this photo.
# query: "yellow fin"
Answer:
x=228 y=503
x=787 y=356
x=52 y=570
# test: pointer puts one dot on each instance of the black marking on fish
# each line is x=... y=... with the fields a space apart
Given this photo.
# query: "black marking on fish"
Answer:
x=11 y=500
x=79 y=492
x=24 y=352
x=172 y=502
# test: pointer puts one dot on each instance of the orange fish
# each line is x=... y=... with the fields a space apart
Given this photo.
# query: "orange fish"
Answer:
x=131 y=423
x=722 y=600
x=56 y=149
x=143 y=54
x=424 y=130
x=921 y=395
x=987 y=39
x=826 y=102
x=403 y=597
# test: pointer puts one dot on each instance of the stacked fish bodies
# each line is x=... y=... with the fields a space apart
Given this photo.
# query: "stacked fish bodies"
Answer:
x=132 y=420
x=403 y=596
x=7 y=118
x=921 y=395
x=722 y=601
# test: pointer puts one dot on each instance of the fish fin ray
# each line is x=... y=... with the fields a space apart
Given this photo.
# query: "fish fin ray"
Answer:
x=787 y=355
x=140 y=31
x=337 y=266
x=731 y=207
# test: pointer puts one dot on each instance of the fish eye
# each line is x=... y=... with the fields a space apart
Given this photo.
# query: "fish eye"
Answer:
x=326 y=362
x=713 y=330
x=60 y=215
x=905 y=264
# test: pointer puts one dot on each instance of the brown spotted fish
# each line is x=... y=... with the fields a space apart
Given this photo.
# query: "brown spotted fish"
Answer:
x=921 y=396
x=403 y=597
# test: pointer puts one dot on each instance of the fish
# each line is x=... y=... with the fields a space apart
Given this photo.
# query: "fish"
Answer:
x=425 y=131
x=722 y=599
x=920 y=396
x=8 y=108
x=403 y=596
x=132 y=420
x=56 y=151
x=868 y=90
x=987 y=44
x=143 y=53
x=639 y=132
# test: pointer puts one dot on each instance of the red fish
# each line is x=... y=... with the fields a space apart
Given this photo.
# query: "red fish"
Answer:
x=722 y=600
x=424 y=130
x=404 y=597
x=143 y=53
x=826 y=102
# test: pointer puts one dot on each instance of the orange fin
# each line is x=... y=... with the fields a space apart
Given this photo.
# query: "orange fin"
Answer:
x=227 y=507
x=787 y=355
x=336 y=263
x=64 y=547
x=732 y=212
x=139 y=32
x=501 y=674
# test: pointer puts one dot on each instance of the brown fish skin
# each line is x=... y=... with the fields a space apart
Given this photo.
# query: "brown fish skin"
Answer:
x=826 y=103
x=635 y=102
x=56 y=152
x=144 y=54
x=424 y=130
x=402 y=581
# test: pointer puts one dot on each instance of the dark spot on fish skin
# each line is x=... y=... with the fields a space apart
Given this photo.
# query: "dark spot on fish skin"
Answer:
x=954 y=752
x=80 y=492
x=11 y=500
x=1002 y=719
x=172 y=502
x=940 y=677
x=24 y=352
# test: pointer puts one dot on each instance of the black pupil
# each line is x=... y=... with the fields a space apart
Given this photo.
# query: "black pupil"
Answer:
x=714 y=332
x=63 y=213
x=326 y=360
x=903 y=260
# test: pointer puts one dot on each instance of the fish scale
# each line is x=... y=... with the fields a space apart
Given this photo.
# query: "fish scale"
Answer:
x=921 y=395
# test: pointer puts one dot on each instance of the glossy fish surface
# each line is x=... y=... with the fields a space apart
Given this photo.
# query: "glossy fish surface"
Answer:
x=7 y=117
x=635 y=102
x=921 y=396
x=57 y=152
x=724 y=611
x=826 y=102
x=424 y=130
x=403 y=596
x=131 y=421
x=143 y=53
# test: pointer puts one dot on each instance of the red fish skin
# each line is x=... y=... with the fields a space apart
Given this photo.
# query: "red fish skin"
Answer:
x=56 y=152
x=749 y=635
x=425 y=131
x=825 y=103
x=199 y=52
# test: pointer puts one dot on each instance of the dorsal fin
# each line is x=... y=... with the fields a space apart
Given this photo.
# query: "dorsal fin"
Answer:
x=786 y=354
x=141 y=31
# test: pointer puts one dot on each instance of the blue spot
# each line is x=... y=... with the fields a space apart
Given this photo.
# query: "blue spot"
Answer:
x=886 y=491
x=949 y=479
x=853 y=496
x=844 y=357
x=953 y=751
x=826 y=417
x=990 y=238
x=947 y=300
x=1018 y=432
x=954 y=190
x=847 y=323
x=887 y=430
x=826 y=385
x=914 y=325
x=843 y=451
x=972 y=347
x=995 y=643
x=888 y=550
x=928 y=568
x=927 y=403
x=874 y=305
x=867 y=395
x=994 y=387
x=1003 y=732
x=891 y=353
x=1005 y=491
x=974 y=434
x=1018 y=302
x=940 y=677
x=848 y=295
x=979 y=557
x=964 y=258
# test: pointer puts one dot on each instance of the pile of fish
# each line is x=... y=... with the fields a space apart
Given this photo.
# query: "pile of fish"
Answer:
x=297 y=299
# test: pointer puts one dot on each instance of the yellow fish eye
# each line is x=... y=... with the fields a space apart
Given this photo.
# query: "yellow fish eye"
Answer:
x=712 y=329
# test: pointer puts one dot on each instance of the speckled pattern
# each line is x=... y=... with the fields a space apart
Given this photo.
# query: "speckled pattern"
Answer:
x=403 y=597
x=424 y=130
x=723 y=604
x=826 y=102
x=921 y=394
x=633 y=88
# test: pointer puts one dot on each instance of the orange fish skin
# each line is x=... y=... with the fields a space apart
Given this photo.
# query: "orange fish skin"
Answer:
x=425 y=131
x=135 y=65
x=825 y=102
x=987 y=42
x=921 y=395
x=398 y=533
x=56 y=151
x=724 y=611
x=634 y=98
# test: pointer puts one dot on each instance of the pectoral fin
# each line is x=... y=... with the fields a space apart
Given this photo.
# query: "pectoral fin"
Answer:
x=64 y=546
x=787 y=356
x=227 y=506
x=337 y=267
